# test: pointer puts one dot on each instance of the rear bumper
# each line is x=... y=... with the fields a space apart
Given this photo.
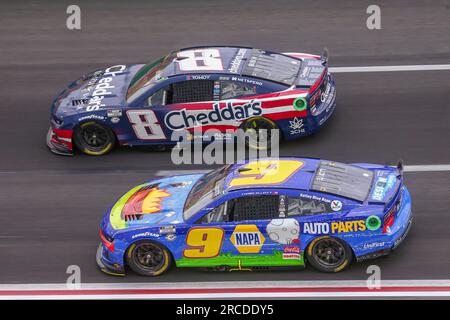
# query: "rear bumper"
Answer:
x=402 y=236
x=390 y=241
x=385 y=252
x=59 y=144
x=323 y=111
x=106 y=266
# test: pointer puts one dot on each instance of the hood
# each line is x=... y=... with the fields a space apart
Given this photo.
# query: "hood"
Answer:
x=155 y=203
x=101 y=89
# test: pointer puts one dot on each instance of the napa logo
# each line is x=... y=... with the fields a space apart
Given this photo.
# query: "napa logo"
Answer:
x=247 y=238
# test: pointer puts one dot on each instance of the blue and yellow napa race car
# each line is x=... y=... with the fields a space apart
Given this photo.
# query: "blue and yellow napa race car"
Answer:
x=284 y=212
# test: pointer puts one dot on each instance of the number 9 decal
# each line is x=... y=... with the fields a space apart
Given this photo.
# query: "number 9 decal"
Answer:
x=267 y=172
x=203 y=242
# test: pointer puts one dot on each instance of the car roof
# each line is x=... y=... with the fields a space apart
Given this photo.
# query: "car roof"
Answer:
x=233 y=60
x=283 y=173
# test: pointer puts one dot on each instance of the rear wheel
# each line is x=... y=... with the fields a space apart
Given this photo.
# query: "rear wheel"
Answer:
x=328 y=254
x=258 y=133
x=94 y=139
x=148 y=258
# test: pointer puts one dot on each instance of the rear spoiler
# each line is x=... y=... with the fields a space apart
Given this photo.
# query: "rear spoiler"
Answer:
x=399 y=167
x=312 y=71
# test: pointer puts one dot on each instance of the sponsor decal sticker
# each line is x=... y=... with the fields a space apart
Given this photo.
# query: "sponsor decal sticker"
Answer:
x=198 y=77
x=284 y=231
x=245 y=80
x=114 y=113
x=282 y=206
x=183 y=119
x=335 y=227
x=373 y=245
x=336 y=205
x=237 y=60
x=171 y=237
x=103 y=87
x=382 y=186
x=296 y=126
x=91 y=117
x=247 y=238
x=167 y=229
x=145 y=234
x=291 y=252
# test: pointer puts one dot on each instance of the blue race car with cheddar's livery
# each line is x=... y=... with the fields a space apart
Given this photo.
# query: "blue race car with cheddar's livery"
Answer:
x=211 y=92
x=268 y=212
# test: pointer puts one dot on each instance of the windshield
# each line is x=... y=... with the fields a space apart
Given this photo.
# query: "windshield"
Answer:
x=148 y=76
x=343 y=180
x=205 y=189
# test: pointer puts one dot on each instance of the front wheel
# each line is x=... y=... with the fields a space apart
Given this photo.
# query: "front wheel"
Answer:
x=148 y=258
x=328 y=254
x=94 y=139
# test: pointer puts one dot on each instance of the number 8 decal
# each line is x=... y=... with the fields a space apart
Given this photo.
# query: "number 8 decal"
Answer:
x=145 y=125
x=203 y=242
x=200 y=60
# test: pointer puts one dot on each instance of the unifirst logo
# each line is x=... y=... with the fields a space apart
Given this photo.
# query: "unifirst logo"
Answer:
x=247 y=239
x=101 y=89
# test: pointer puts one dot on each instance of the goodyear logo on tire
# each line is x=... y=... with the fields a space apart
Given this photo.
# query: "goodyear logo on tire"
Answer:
x=247 y=238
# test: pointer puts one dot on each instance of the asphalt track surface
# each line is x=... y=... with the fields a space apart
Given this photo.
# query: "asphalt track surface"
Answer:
x=51 y=205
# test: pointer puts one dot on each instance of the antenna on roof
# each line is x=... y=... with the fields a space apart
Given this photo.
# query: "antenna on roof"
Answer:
x=400 y=167
x=324 y=57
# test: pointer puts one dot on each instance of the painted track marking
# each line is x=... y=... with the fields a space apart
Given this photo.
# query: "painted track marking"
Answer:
x=233 y=290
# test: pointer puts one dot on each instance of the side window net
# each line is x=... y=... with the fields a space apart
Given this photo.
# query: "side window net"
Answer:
x=255 y=208
x=192 y=91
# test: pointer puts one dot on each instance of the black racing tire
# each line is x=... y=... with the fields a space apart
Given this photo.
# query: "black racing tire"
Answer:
x=148 y=258
x=329 y=254
x=94 y=139
x=253 y=128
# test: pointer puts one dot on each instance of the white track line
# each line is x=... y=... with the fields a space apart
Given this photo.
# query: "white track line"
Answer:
x=427 y=168
x=226 y=284
x=225 y=290
x=234 y=296
x=411 y=168
x=423 y=67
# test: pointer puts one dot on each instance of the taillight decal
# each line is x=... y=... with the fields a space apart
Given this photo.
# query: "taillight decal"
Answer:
x=109 y=245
